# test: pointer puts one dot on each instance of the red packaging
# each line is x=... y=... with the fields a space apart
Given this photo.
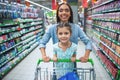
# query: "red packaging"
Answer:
x=118 y=49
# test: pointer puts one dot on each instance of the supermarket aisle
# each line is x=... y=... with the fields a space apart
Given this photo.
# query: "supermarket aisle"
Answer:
x=25 y=70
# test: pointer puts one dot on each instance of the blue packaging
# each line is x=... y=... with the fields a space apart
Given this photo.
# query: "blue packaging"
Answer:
x=69 y=76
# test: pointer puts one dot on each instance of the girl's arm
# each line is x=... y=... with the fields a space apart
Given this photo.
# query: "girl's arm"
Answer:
x=55 y=58
x=73 y=58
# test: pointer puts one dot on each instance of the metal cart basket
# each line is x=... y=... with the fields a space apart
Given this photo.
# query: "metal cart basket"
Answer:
x=46 y=70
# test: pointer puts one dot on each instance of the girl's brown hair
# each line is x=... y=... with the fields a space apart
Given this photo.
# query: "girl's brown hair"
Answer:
x=67 y=25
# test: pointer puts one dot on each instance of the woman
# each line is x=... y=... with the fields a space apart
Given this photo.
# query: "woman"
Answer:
x=65 y=14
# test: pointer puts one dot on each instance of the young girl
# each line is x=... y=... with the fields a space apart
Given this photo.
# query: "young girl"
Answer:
x=64 y=49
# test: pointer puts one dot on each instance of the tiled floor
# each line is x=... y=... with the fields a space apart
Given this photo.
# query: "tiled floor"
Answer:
x=25 y=69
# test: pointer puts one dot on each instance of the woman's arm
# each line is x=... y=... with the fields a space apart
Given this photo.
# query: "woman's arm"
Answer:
x=43 y=42
x=44 y=57
x=84 y=38
x=88 y=45
x=86 y=56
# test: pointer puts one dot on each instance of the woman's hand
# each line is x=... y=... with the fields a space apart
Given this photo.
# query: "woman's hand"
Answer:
x=86 y=56
x=73 y=59
x=84 y=59
x=46 y=58
x=55 y=59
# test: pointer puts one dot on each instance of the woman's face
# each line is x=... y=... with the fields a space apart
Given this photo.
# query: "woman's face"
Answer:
x=64 y=13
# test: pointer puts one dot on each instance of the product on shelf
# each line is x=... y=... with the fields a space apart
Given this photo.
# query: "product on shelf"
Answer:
x=106 y=23
x=18 y=25
x=118 y=49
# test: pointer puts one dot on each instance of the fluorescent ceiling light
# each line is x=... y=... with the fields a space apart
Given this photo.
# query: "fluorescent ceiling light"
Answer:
x=39 y=5
x=88 y=0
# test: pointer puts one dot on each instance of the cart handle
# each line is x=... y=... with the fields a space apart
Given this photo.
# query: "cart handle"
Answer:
x=66 y=60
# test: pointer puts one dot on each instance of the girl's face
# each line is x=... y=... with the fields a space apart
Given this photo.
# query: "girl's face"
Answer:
x=63 y=34
x=64 y=13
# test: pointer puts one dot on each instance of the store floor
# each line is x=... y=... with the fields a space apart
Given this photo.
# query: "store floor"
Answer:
x=25 y=69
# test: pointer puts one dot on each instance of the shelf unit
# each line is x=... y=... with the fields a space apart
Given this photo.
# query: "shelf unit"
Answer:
x=103 y=27
x=20 y=31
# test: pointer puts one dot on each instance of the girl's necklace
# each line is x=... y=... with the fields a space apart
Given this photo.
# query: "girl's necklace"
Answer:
x=64 y=46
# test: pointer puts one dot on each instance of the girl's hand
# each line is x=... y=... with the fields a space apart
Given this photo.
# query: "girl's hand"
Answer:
x=46 y=58
x=55 y=59
x=73 y=59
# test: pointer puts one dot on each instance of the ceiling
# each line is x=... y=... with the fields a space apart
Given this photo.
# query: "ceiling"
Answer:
x=48 y=3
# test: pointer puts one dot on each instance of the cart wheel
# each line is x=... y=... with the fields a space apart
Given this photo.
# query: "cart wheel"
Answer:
x=54 y=77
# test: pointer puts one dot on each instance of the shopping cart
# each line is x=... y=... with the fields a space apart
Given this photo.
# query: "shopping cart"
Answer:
x=46 y=70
